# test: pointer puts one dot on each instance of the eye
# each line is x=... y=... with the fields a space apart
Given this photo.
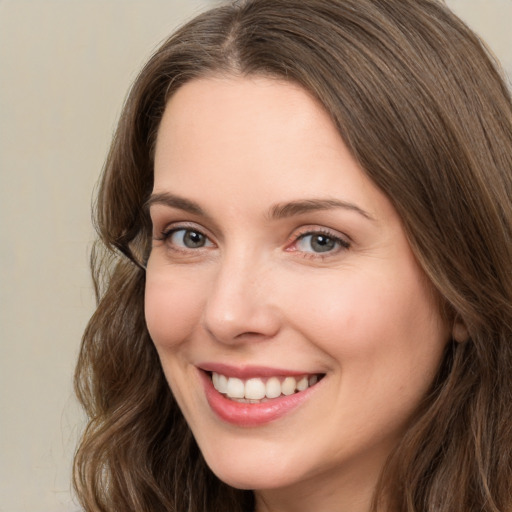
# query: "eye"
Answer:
x=320 y=242
x=187 y=239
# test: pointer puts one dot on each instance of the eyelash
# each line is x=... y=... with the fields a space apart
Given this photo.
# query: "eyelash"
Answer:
x=166 y=234
x=341 y=243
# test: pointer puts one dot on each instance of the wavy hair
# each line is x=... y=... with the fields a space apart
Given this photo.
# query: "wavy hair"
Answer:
x=423 y=108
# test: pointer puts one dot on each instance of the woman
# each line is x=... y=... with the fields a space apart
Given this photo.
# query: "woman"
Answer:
x=303 y=275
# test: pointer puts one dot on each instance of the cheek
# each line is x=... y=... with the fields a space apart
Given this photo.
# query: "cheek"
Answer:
x=173 y=307
x=385 y=343
x=375 y=326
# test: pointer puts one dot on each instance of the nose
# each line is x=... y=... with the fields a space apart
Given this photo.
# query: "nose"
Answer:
x=241 y=307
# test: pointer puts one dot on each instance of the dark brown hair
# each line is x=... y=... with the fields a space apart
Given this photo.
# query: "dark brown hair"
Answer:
x=423 y=108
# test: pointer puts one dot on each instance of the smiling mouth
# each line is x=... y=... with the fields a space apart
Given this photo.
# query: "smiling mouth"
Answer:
x=259 y=390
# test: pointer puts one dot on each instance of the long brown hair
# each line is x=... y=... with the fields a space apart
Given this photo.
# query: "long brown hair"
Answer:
x=423 y=108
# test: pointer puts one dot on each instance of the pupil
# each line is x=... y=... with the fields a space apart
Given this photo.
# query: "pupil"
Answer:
x=322 y=243
x=193 y=239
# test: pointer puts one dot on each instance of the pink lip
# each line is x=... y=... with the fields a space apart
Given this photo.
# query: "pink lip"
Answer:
x=251 y=415
x=247 y=372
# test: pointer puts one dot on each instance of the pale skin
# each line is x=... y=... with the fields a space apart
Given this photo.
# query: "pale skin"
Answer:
x=299 y=262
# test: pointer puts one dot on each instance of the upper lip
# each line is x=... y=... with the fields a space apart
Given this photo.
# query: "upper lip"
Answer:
x=250 y=371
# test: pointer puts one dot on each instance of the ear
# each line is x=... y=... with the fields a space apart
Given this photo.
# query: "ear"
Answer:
x=459 y=330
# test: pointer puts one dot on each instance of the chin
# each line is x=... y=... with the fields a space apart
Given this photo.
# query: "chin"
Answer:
x=251 y=473
x=250 y=478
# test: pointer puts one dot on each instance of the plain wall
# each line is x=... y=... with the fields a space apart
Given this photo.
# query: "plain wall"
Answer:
x=65 y=67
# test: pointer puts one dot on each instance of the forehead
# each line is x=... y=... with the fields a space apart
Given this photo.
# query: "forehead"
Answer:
x=241 y=107
x=240 y=139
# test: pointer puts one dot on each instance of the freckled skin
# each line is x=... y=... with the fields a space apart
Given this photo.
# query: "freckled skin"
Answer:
x=258 y=292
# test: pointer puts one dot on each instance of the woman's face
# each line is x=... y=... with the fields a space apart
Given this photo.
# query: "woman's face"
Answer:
x=277 y=263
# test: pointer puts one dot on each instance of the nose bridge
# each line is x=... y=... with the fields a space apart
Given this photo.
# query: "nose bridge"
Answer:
x=239 y=304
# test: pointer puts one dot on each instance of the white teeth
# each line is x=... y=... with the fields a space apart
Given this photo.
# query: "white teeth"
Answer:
x=254 y=390
x=235 y=388
x=302 y=384
x=288 y=386
x=273 y=388
x=223 y=384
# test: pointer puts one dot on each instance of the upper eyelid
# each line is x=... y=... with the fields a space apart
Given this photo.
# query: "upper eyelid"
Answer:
x=186 y=225
x=311 y=230
x=339 y=241
x=182 y=227
x=159 y=211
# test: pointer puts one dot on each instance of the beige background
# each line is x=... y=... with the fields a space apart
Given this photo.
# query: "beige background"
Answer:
x=65 y=66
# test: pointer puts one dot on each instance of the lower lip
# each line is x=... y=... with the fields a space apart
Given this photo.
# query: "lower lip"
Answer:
x=251 y=415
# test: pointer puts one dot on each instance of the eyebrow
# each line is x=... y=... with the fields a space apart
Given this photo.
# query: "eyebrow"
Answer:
x=173 y=201
x=300 y=207
x=277 y=211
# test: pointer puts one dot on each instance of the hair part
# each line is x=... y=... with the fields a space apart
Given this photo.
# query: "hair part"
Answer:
x=423 y=108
